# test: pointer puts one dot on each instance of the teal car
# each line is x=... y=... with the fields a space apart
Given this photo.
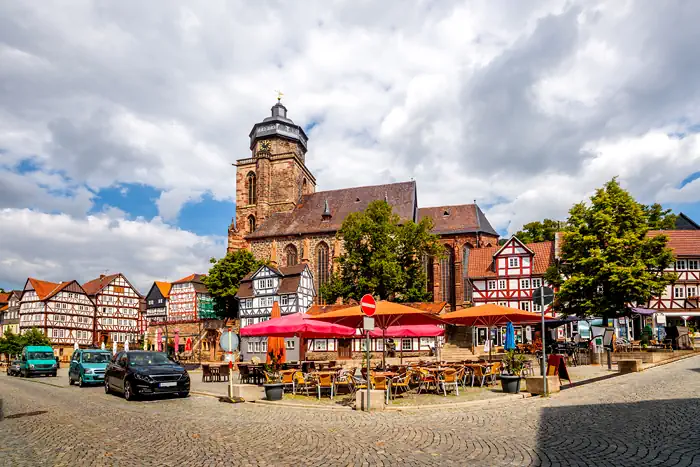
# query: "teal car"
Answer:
x=88 y=367
x=37 y=360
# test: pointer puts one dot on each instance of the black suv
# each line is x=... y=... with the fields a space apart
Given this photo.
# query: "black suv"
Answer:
x=136 y=373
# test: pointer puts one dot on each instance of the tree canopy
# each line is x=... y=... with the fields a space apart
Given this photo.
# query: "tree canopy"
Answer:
x=383 y=257
x=540 y=231
x=224 y=278
x=607 y=260
x=12 y=344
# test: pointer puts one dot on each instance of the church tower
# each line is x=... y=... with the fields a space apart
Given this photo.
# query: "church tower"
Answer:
x=273 y=178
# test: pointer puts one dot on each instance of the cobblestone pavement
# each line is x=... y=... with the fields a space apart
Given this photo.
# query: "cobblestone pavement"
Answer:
x=648 y=418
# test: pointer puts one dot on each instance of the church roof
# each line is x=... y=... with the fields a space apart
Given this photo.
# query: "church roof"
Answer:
x=462 y=218
x=481 y=259
x=308 y=216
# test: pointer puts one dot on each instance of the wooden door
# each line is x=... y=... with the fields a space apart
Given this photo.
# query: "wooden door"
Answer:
x=344 y=348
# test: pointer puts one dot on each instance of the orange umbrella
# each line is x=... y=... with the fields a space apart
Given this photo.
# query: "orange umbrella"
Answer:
x=491 y=315
x=276 y=344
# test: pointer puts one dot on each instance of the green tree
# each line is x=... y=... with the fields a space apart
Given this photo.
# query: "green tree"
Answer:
x=224 y=278
x=659 y=218
x=382 y=256
x=540 y=231
x=35 y=337
x=607 y=260
x=11 y=344
x=2 y=290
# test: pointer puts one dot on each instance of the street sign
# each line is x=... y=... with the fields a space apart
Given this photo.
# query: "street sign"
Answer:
x=224 y=341
x=543 y=295
x=367 y=305
x=368 y=323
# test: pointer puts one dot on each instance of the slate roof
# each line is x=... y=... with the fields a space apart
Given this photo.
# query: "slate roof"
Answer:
x=291 y=277
x=308 y=217
x=682 y=242
x=481 y=259
x=683 y=222
x=462 y=218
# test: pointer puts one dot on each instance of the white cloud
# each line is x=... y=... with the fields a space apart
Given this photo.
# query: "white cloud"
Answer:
x=58 y=247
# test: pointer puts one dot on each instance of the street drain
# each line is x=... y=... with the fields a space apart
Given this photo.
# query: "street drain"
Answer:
x=27 y=414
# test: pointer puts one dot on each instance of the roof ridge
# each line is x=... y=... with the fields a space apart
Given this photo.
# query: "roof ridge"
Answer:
x=361 y=187
x=448 y=206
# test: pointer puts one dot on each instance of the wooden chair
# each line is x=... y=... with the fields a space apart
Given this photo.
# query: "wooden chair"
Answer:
x=324 y=381
x=288 y=379
x=206 y=374
x=449 y=378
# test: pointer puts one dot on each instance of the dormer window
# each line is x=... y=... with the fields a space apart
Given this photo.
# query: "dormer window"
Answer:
x=445 y=212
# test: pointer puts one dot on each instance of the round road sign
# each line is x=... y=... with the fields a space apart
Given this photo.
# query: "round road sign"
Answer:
x=367 y=305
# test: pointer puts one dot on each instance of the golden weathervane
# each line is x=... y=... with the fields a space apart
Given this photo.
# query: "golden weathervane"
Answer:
x=279 y=95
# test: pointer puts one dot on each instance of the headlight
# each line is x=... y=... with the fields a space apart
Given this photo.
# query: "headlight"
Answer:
x=55 y=365
x=31 y=366
x=141 y=377
x=89 y=371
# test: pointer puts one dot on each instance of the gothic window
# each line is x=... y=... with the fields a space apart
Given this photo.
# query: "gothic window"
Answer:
x=290 y=253
x=252 y=188
x=322 y=272
x=447 y=267
x=465 y=274
x=251 y=224
x=303 y=187
x=428 y=270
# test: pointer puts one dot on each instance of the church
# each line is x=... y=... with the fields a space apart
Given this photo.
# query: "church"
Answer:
x=282 y=218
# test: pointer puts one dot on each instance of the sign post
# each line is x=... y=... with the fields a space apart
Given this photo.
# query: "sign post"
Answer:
x=368 y=306
x=228 y=342
x=545 y=296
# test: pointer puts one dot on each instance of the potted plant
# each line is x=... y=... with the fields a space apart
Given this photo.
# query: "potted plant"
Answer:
x=513 y=364
x=273 y=382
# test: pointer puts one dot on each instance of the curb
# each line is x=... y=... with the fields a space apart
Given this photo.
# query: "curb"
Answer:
x=303 y=406
x=455 y=405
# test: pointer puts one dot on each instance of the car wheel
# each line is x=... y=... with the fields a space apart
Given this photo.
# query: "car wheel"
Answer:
x=128 y=391
x=107 y=390
x=70 y=381
x=183 y=394
x=54 y=374
x=81 y=383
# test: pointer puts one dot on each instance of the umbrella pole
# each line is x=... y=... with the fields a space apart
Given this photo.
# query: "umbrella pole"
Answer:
x=490 y=344
x=384 y=349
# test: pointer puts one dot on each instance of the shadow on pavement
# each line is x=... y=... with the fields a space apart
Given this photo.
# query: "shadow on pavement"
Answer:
x=659 y=432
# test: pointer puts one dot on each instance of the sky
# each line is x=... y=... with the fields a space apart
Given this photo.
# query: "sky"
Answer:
x=120 y=121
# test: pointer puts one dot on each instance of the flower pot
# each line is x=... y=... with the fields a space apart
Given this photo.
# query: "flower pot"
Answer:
x=274 y=391
x=510 y=384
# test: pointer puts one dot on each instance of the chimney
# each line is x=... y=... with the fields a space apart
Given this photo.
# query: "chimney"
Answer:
x=102 y=276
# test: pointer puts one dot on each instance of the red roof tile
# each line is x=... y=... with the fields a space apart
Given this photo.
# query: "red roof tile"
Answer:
x=190 y=278
x=95 y=285
x=481 y=259
x=4 y=297
x=682 y=242
x=42 y=288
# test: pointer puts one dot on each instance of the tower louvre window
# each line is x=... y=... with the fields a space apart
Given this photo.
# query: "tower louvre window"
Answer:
x=322 y=271
x=251 y=224
x=252 y=187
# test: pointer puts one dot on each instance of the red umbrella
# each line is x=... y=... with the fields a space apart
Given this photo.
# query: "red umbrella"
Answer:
x=421 y=330
x=297 y=325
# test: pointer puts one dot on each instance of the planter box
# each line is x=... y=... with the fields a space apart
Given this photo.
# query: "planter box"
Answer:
x=534 y=384
x=376 y=399
x=510 y=384
x=629 y=366
x=248 y=392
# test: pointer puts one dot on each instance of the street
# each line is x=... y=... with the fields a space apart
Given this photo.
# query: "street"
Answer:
x=648 y=418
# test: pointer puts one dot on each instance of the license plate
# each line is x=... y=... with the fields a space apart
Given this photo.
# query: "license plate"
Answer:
x=168 y=385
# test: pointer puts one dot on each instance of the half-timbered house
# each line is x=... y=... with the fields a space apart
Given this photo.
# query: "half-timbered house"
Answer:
x=188 y=296
x=291 y=286
x=157 y=302
x=9 y=313
x=63 y=312
x=681 y=298
x=116 y=309
x=507 y=276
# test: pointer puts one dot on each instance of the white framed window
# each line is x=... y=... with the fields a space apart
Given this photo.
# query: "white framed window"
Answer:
x=692 y=292
x=680 y=264
x=320 y=345
x=536 y=283
x=284 y=300
x=525 y=306
x=678 y=292
x=263 y=347
x=525 y=284
x=406 y=344
x=693 y=264
x=250 y=347
x=503 y=304
x=256 y=346
x=491 y=285
x=289 y=344
x=150 y=302
x=513 y=262
x=536 y=307
x=501 y=285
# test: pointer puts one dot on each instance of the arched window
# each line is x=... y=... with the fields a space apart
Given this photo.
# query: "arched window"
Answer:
x=322 y=270
x=447 y=278
x=252 y=188
x=251 y=224
x=428 y=271
x=465 y=274
x=290 y=253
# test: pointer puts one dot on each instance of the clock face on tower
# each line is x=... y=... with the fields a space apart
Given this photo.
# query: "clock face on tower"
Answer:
x=264 y=146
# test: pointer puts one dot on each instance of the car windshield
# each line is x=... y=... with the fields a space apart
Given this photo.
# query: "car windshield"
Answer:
x=148 y=359
x=97 y=357
x=40 y=356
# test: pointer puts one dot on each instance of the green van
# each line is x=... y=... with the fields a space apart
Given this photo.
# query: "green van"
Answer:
x=37 y=360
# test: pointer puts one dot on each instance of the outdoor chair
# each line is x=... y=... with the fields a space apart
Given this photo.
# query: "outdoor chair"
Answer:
x=302 y=381
x=479 y=374
x=324 y=381
x=400 y=383
x=449 y=378
x=288 y=379
x=461 y=371
x=243 y=373
x=358 y=383
x=528 y=370
x=344 y=380
x=206 y=374
x=224 y=372
x=381 y=383
x=426 y=381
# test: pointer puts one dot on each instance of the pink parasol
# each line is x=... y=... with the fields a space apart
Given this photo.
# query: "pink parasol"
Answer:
x=297 y=325
x=420 y=330
x=159 y=344
x=177 y=340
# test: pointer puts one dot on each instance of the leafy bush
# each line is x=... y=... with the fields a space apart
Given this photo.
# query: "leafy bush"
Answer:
x=513 y=362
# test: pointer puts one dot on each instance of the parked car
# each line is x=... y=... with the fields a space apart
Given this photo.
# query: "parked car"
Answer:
x=88 y=367
x=37 y=360
x=13 y=368
x=139 y=373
